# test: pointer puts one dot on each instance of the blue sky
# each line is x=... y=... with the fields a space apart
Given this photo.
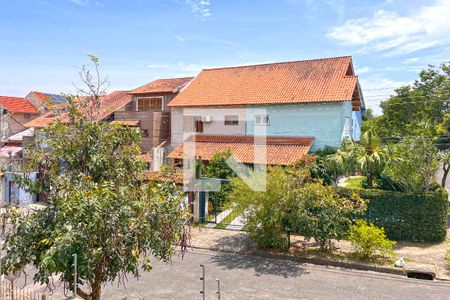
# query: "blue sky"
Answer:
x=43 y=43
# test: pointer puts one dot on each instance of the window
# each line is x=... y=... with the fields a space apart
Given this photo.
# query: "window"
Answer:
x=198 y=124
x=262 y=120
x=231 y=120
x=192 y=124
x=151 y=103
x=26 y=116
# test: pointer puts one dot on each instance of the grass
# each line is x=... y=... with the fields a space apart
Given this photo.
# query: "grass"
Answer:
x=354 y=183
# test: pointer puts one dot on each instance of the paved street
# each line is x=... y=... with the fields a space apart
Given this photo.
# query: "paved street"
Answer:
x=247 y=277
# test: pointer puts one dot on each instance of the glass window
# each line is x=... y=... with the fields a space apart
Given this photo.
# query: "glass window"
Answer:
x=262 y=120
x=231 y=120
x=154 y=103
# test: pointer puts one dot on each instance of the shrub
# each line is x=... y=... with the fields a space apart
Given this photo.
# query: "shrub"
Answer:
x=447 y=258
x=265 y=212
x=369 y=239
x=317 y=211
x=418 y=217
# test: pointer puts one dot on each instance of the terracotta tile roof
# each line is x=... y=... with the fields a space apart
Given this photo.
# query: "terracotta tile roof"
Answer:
x=175 y=177
x=171 y=85
x=319 y=80
x=146 y=157
x=51 y=99
x=131 y=123
x=280 y=150
x=108 y=105
x=16 y=104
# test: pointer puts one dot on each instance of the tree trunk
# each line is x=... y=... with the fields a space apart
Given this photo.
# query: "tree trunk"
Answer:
x=96 y=291
x=369 y=181
x=446 y=168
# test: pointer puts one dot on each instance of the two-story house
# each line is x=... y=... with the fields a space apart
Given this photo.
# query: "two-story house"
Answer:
x=145 y=107
x=291 y=107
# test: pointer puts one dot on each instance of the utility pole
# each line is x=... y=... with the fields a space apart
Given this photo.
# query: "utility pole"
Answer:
x=218 y=289
x=203 y=282
x=75 y=276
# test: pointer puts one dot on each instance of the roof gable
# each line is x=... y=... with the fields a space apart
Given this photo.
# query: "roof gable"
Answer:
x=108 y=105
x=52 y=99
x=16 y=104
x=308 y=81
x=171 y=85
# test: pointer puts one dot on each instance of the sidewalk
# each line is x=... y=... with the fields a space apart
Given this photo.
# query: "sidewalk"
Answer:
x=238 y=242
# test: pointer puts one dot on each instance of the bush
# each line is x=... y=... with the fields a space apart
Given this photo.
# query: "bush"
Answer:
x=418 y=217
x=317 y=211
x=447 y=258
x=369 y=239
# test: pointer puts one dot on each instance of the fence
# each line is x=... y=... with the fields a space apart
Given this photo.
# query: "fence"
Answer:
x=9 y=292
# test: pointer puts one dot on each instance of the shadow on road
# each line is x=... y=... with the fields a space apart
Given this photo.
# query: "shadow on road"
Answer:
x=261 y=265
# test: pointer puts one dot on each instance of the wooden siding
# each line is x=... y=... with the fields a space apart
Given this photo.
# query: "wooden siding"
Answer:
x=156 y=123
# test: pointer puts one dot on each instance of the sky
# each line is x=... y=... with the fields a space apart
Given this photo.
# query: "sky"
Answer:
x=44 y=43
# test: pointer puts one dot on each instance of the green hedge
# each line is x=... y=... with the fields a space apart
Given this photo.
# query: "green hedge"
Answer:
x=420 y=217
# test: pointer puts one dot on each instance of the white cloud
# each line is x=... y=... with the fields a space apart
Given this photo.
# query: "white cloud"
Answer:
x=362 y=70
x=179 y=38
x=180 y=66
x=391 y=32
x=411 y=60
x=378 y=88
x=80 y=2
x=200 y=8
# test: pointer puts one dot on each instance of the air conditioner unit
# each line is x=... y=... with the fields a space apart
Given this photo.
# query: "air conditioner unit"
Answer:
x=206 y=119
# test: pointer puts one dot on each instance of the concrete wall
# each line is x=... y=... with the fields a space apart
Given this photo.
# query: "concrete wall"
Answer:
x=323 y=121
x=180 y=121
x=328 y=123
x=17 y=120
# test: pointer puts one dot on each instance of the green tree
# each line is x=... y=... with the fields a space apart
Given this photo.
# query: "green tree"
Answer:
x=416 y=165
x=265 y=212
x=326 y=166
x=368 y=157
x=217 y=167
x=425 y=101
x=367 y=114
x=317 y=211
x=99 y=206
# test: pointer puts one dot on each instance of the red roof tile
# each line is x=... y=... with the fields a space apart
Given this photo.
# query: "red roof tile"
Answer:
x=279 y=150
x=108 y=105
x=319 y=80
x=175 y=177
x=15 y=104
x=146 y=157
x=171 y=85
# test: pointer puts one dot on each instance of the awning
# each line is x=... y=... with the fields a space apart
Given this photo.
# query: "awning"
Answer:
x=247 y=149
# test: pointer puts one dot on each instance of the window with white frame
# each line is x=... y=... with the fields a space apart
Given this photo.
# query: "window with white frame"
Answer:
x=149 y=103
x=262 y=120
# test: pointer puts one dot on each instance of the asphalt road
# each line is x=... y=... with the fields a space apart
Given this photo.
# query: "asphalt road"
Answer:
x=249 y=277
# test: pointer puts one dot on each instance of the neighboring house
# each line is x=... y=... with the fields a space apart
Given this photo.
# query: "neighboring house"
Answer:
x=15 y=112
x=299 y=106
x=145 y=107
x=149 y=106
x=105 y=112
x=45 y=101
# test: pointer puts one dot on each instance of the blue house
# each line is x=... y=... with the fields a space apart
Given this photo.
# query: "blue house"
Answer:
x=299 y=107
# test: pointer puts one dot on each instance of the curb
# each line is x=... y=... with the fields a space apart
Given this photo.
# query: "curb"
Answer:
x=313 y=261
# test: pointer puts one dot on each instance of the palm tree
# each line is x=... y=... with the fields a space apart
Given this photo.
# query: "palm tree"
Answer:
x=368 y=156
